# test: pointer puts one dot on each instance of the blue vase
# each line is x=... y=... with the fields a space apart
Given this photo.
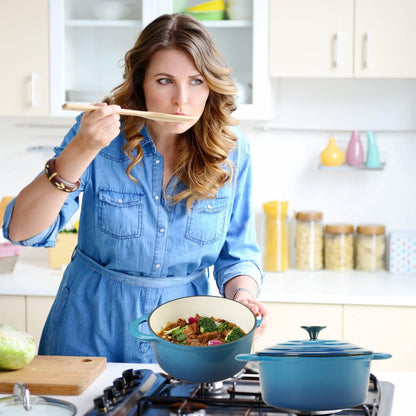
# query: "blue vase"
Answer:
x=373 y=156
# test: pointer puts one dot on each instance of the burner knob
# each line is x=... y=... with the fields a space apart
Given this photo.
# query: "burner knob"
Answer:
x=100 y=404
x=110 y=394
x=119 y=385
x=128 y=376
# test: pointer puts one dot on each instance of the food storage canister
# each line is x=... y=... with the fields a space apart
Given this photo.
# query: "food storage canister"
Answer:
x=370 y=247
x=276 y=236
x=339 y=247
x=309 y=241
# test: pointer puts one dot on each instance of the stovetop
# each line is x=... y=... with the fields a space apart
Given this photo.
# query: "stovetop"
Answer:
x=145 y=393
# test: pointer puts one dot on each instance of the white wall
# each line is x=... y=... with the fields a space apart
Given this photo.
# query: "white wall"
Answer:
x=286 y=150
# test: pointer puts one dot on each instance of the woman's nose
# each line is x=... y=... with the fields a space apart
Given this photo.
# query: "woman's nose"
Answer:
x=180 y=96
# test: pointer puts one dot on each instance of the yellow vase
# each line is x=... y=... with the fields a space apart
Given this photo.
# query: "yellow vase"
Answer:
x=332 y=155
x=276 y=250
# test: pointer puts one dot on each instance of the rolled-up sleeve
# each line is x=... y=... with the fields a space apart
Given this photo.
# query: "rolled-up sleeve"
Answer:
x=240 y=254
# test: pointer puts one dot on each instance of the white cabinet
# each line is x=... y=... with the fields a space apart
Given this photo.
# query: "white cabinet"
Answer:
x=24 y=81
x=342 y=38
x=87 y=50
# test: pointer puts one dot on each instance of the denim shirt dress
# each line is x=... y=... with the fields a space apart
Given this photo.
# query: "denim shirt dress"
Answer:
x=137 y=250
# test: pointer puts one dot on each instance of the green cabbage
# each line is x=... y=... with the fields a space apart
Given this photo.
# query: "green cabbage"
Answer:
x=17 y=348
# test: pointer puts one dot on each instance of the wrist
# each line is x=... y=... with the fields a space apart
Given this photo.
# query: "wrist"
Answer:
x=243 y=293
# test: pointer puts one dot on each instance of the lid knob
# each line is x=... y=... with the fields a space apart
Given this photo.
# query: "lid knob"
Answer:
x=313 y=331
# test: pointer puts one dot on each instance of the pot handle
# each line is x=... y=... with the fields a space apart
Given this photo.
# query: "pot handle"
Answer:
x=380 y=356
x=136 y=333
x=256 y=357
x=246 y=357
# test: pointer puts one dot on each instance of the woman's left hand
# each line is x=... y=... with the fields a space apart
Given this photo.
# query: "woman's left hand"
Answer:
x=259 y=309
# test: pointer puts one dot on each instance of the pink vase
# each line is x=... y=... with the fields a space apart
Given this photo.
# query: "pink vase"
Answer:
x=355 y=152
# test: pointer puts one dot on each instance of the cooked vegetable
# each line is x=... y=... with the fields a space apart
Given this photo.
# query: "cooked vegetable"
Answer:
x=224 y=326
x=17 y=348
x=201 y=331
x=207 y=324
x=234 y=334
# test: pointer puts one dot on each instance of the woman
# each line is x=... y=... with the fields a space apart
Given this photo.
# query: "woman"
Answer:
x=161 y=202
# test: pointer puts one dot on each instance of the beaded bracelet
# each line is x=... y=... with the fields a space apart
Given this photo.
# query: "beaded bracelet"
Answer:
x=245 y=290
x=56 y=180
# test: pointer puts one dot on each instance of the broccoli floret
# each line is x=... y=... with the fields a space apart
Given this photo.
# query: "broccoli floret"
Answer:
x=207 y=324
x=224 y=326
x=178 y=333
x=234 y=334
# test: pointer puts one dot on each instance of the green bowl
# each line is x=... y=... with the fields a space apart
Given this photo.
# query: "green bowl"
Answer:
x=208 y=15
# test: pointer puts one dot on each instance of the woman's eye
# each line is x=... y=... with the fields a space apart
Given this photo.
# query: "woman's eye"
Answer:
x=164 y=81
x=197 y=81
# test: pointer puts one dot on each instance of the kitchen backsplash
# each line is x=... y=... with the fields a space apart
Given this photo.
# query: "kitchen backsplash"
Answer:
x=285 y=166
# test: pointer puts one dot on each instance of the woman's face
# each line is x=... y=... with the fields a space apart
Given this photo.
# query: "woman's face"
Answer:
x=173 y=85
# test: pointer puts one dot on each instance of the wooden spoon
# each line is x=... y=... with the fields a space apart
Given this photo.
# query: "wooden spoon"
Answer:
x=151 y=115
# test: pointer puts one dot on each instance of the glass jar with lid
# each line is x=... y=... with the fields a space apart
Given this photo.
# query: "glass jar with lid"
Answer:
x=339 y=247
x=309 y=240
x=370 y=247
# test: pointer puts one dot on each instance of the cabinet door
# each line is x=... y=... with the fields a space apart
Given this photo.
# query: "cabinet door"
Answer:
x=311 y=38
x=13 y=312
x=387 y=329
x=384 y=35
x=24 y=55
x=287 y=319
x=38 y=308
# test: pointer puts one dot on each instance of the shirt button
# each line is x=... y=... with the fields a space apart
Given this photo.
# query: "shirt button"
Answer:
x=157 y=161
x=119 y=200
x=156 y=197
x=209 y=206
x=157 y=265
x=162 y=230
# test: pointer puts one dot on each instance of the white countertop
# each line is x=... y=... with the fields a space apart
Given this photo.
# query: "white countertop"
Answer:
x=33 y=277
x=404 y=387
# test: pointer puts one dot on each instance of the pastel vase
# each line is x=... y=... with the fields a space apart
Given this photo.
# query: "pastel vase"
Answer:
x=373 y=156
x=332 y=155
x=355 y=151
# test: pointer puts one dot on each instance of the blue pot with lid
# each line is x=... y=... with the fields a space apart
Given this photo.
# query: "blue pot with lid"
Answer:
x=314 y=374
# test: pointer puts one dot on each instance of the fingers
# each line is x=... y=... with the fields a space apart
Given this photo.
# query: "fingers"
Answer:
x=259 y=309
x=99 y=127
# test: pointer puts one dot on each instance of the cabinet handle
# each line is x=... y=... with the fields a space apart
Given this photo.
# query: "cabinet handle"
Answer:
x=335 y=50
x=366 y=47
x=33 y=78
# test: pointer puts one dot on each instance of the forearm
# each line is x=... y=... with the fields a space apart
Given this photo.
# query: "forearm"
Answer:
x=39 y=203
x=246 y=283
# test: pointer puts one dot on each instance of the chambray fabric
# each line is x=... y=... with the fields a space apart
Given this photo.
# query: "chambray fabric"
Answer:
x=137 y=250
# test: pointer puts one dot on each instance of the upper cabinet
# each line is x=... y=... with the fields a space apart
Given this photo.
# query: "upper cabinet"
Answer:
x=88 y=41
x=342 y=38
x=24 y=51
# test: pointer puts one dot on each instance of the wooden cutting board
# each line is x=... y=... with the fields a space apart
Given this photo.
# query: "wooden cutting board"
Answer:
x=55 y=375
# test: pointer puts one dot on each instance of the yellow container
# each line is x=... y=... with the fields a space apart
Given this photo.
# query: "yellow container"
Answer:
x=276 y=244
x=60 y=255
x=208 y=6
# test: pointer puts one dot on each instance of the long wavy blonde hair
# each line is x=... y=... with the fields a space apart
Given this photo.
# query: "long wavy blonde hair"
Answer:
x=203 y=151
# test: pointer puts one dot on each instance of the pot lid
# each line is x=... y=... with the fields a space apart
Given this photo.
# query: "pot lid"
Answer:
x=314 y=347
x=22 y=403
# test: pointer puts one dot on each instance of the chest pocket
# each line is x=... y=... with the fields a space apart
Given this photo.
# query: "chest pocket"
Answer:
x=120 y=214
x=206 y=221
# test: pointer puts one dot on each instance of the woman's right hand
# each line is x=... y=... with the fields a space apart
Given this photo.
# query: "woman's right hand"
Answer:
x=99 y=127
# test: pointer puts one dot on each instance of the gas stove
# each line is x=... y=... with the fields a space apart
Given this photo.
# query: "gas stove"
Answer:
x=146 y=393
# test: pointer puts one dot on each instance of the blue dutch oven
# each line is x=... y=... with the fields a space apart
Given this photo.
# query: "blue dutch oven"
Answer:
x=198 y=364
x=314 y=375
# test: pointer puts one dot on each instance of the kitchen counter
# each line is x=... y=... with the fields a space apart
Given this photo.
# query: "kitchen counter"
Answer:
x=404 y=386
x=33 y=277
